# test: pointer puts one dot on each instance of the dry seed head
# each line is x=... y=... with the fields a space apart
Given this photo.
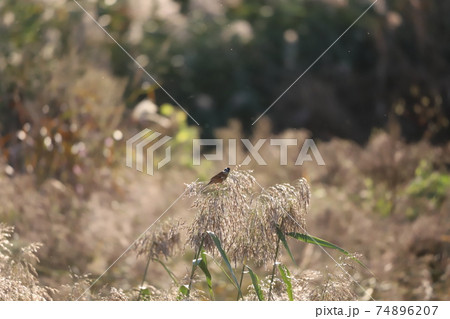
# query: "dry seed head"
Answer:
x=334 y=287
x=309 y=286
x=245 y=222
x=222 y=209
x=255 y=242
x=163 y=241
x=285 y=206
x=113 y=294
x=76 y=289
x=18 y=276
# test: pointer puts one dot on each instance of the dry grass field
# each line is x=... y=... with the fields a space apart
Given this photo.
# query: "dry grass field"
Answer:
x=373 y=223
x=386 y=204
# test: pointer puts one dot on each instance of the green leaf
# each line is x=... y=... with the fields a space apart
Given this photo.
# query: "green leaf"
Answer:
x=144 y=293
x=221 y=268
x=184 y=289
x=204 y=267
x=171 y=274
x=285 y=244
x=255 y=281
x=316 y=241
x=321 y=242
x=286 y=276
x=225 y=258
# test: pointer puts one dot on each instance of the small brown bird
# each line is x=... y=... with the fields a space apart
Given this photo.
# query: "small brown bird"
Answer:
x=219 y=178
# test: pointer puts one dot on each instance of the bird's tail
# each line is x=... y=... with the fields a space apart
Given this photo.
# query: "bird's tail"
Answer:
x=201 y=190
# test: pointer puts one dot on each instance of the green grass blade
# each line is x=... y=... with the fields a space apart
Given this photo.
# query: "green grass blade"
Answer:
x=202 y=263
x=171 y=274
x=255 y=281
x=321 y=242
x=286 y=276
x=144 y=294
x=221 y=268
x=285 y=244
x=225 y=259
x=184 y=289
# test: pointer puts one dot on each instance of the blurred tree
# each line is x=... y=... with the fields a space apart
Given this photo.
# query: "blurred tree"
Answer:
x=232 y=59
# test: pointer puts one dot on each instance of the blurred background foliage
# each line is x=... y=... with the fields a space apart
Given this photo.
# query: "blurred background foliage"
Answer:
x=70 y=97
x=232 y=59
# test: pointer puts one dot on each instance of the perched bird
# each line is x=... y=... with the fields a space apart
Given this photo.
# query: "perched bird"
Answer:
x=219 y=178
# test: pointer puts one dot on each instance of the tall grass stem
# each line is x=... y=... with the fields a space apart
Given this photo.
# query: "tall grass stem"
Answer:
x=194 y=264
x=145 y=275
x=273 y=269
x=240 y=282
